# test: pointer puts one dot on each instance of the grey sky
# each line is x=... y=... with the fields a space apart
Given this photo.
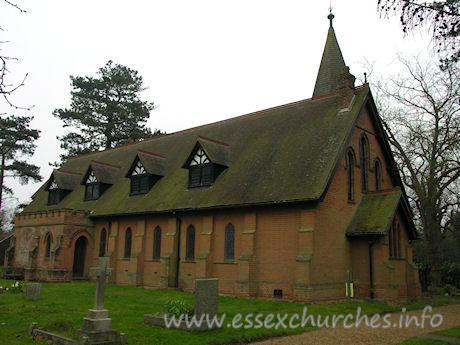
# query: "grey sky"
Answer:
x=203 y=60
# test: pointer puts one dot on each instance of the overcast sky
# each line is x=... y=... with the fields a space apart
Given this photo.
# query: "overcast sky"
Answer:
x=202 y=60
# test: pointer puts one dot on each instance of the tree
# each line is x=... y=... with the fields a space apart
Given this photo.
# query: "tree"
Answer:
x=17 y=140
x=422 y=118
x=6 y=88
x=441 y=17
x=105 y=111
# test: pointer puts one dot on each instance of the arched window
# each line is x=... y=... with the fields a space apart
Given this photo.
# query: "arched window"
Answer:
x=128 y=238
x=394 y=240
x=364 y=161
x=350 y=181
x=229 y=243
x=378 y=174
x=190 y=243
x=48 y=246
x=102 y=242
x=157 y=243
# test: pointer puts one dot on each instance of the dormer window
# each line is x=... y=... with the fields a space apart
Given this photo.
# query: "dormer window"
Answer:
x=98 y=178
x=92 y=187
x=60 y=184
x=140 y=180
x=53 y=193
x=147 y=168
x=206 y=162
x=201 y=170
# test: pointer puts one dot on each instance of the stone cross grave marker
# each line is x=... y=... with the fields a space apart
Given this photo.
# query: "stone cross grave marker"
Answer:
x=97 y=327
x=101 y=273
x=33 y=291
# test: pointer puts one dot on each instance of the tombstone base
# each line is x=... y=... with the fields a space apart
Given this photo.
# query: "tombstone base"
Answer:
x=97 y=328
x=97 y=337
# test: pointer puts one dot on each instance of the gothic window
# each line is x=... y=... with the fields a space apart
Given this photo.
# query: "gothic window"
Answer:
x=140 y=180
x=364 y=162
x=394 y=240
x=92 y=187
x=128 y=238
x=378 y=174
x=48 y=246
x=102 y=242
x=200 y=158
x=350 y=181
x=157 y=243
x=190 y=243
x=229 y=243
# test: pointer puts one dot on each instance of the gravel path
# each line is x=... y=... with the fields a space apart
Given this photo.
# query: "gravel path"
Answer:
x=363 y=335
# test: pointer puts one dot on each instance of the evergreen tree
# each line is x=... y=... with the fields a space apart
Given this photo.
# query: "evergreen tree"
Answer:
x=17 y=140
x=106 y=111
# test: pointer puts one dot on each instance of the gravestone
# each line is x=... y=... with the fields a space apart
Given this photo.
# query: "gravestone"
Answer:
x=33 y=291
x=206 y=303
x=97 y=327
x=206 y=297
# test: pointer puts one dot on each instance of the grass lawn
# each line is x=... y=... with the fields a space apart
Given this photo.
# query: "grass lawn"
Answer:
x=453 y=332
x=63 y=305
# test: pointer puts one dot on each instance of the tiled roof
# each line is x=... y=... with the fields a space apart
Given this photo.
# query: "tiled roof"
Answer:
x=282 y=154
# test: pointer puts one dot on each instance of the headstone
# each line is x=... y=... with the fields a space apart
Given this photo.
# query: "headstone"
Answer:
x=33 y=291
x=206 y=297
x=97 y=327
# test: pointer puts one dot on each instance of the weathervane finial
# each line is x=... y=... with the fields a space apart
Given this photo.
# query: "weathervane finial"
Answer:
x=330 y=16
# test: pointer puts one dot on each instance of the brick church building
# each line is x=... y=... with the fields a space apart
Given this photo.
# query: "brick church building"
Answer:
x=290 y=202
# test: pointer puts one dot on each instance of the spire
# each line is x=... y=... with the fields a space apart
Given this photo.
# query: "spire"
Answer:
x=332 y=72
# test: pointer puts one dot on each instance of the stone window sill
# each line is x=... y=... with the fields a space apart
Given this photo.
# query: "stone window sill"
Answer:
x=152 y=260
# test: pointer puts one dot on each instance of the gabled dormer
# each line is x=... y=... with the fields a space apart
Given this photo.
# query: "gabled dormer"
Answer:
x=206 y=162
x=146 y=170
x=60 y=184
x=98 y=178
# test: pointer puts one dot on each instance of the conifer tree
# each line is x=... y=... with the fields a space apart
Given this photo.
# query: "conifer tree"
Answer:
x=17 y=141
x=105 y=111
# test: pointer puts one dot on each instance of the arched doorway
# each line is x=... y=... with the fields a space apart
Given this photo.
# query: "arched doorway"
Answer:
x=79 y=257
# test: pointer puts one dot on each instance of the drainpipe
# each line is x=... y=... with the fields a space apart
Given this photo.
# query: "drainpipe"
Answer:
x=371 y=269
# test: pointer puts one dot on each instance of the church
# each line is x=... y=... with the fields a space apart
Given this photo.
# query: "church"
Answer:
x=300 y=202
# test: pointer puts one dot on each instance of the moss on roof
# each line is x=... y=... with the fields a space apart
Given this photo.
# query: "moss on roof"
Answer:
x=374 y=214
x=287 y=153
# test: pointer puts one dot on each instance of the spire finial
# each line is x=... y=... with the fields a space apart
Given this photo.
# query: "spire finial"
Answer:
x=330 y=16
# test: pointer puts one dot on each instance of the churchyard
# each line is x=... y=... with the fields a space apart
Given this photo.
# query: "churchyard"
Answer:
x=62 y=307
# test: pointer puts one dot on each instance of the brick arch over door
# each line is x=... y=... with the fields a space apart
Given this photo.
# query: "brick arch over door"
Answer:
x=81 y=249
